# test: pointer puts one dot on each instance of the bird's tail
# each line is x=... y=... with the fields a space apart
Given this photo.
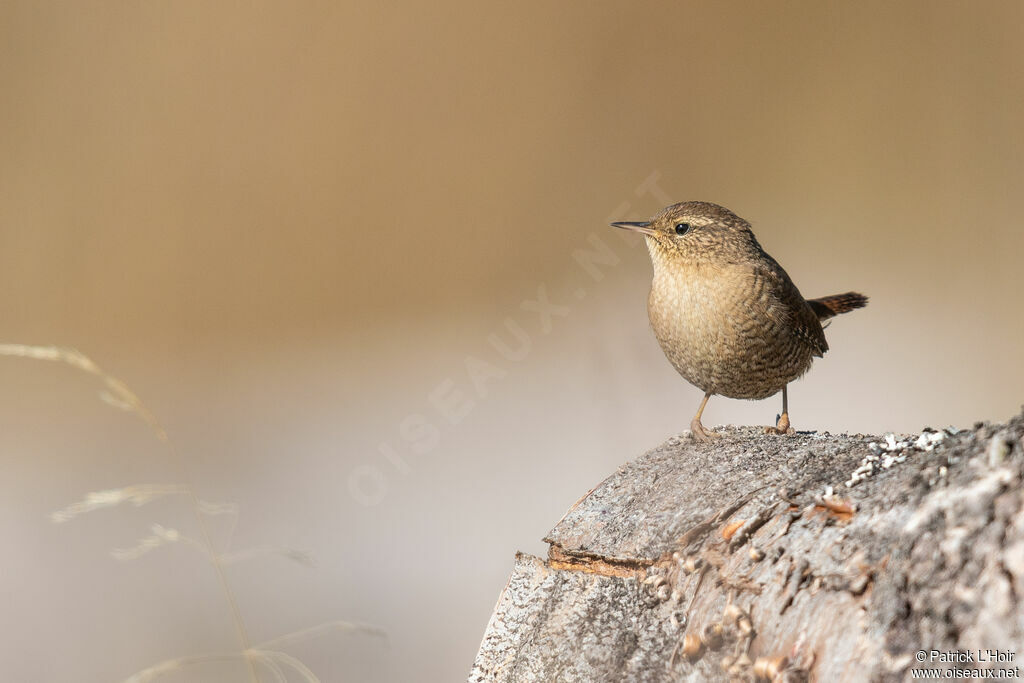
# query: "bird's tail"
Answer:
x=828 y=306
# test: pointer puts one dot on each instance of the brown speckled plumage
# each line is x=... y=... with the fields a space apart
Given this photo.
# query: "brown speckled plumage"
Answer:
x=726 y=314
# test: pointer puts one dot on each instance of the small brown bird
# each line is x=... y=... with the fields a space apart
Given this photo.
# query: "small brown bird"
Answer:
x=726 y=314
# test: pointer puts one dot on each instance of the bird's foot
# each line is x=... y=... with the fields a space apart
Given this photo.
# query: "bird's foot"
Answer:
x=781 y=426
x=701 y=434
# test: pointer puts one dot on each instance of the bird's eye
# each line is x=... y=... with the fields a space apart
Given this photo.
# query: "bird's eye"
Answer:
x=682 y=228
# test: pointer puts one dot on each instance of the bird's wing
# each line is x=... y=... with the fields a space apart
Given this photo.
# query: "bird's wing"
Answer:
x=783 y=304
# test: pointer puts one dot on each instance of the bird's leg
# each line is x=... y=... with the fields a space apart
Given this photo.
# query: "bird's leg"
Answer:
x=782 y=425
x=697 y=429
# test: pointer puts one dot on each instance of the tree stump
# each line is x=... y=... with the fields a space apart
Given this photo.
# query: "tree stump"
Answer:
x=809 y=557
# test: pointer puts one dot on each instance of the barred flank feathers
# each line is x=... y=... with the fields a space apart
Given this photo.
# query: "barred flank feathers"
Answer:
x=828 y=306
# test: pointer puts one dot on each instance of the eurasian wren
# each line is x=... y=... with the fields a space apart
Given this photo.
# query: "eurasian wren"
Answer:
x=726 y=314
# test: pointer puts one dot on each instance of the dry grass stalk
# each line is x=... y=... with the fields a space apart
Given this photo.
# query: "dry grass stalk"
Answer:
x=268 y=655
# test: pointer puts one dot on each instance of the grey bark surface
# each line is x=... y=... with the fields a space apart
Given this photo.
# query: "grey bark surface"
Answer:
x=809 y=557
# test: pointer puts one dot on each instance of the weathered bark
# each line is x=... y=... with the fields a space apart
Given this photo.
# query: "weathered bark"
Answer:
x=736 y=560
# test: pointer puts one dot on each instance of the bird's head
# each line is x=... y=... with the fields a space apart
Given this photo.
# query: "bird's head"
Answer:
x=696 y=232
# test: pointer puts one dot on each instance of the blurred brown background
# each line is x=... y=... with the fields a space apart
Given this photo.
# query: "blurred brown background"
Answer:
x=292 y=228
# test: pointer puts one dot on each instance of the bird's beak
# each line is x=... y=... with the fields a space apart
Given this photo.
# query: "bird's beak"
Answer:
x=643 y=227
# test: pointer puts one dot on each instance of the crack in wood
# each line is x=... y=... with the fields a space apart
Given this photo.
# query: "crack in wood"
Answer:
x=623 y=567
